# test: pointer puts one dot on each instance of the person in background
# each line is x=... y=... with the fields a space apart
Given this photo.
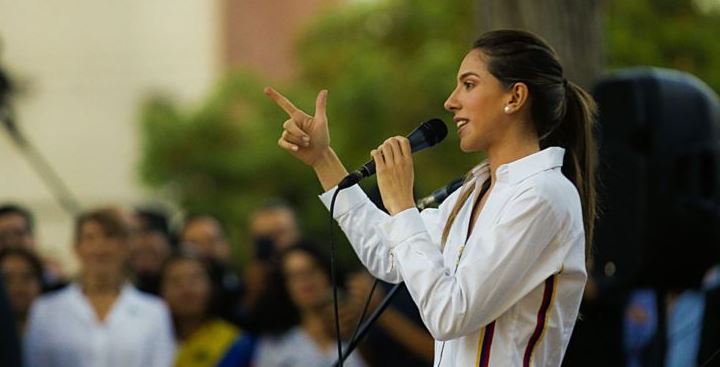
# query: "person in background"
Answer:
x=311 y=341
x=150 y=249
x=17 y=229
x=204 y=236
x=22 y=272
x=275 y=220
x=264 y=308
x=398 y=338
x=203 y=337
x=9 y=341
x=9 y=345
x=100 y=320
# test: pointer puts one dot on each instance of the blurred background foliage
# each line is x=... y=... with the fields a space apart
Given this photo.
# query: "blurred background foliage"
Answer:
x=388 y=65
x=678 y=34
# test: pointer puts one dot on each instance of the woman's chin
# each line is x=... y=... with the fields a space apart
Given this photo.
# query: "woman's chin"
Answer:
x=468 y=147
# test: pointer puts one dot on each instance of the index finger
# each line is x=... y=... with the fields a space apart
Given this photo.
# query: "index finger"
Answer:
x=281 y=101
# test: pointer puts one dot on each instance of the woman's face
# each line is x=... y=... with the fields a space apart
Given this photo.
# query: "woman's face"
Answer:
x=23 y=285
x=100 y=254
x=477 y=103
x=307 y=283
x=186 y=288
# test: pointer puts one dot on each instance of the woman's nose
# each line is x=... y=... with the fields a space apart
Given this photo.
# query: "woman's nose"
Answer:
x=451 y=103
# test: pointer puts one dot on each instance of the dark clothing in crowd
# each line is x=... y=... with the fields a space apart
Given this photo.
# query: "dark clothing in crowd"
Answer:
x=229 y=290
x=597 y=337
x=710 y=339
x=383 y=351
x=273 y=312
x=148 y=283
x=9 y=341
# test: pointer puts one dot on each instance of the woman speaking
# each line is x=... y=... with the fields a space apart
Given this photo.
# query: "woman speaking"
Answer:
x=498 y=270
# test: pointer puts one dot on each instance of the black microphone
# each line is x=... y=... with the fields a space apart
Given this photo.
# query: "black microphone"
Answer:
x=424 y=136
x=439 y=195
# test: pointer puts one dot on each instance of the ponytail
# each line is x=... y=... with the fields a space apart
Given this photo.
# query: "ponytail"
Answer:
x=574 y=132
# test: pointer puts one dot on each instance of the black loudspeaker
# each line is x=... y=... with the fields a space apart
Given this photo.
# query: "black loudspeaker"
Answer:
x=658 y=180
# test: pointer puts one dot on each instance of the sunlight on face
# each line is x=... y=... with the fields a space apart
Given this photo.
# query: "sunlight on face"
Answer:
x=477 y=103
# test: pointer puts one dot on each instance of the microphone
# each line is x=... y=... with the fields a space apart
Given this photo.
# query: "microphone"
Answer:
x=424 y=136
x=439 y=195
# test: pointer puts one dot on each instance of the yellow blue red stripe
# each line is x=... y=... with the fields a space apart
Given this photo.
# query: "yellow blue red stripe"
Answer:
x=548 y=295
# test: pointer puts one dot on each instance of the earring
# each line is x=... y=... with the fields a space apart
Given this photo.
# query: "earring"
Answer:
x=507 y=109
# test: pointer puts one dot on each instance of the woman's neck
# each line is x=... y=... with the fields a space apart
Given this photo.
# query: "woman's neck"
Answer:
x=101 y=284
x=510 y=151
x=314 y=323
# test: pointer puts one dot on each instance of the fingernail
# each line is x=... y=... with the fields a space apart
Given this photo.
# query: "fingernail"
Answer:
x=306 y=138
x=294 y=148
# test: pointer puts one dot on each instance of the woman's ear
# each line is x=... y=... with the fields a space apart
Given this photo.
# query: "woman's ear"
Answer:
x=518 y=96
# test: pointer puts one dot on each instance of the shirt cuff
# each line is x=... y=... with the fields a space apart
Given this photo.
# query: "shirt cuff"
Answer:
x=402 y=226
x=347 y=199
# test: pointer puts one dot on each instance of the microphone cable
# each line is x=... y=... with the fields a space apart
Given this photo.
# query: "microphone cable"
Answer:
x=364 y=310
x=428 y=134
x=333 y=277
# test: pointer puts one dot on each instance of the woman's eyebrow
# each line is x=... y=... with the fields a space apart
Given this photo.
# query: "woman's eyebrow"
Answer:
x=466 y=74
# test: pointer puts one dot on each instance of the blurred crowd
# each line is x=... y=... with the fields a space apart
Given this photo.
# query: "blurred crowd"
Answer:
x=148 y=293
x=151 y=294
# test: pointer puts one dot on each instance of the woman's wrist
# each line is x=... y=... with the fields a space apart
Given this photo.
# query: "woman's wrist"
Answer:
x=329 y=169
x=325 y=159
x=401 y=207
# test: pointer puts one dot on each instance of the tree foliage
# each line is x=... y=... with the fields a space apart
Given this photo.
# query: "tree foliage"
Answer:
x=677 y=34
x=388 y=65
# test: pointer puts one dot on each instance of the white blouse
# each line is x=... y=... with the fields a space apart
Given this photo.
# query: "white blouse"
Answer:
x=295 y=348
x=509 y=295
x=63 y=331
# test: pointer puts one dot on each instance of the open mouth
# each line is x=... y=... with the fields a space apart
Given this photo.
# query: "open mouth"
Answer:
x=461 y=122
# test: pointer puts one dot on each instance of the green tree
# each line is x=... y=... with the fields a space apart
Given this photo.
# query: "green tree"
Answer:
x=674 y=34
x=388 y=66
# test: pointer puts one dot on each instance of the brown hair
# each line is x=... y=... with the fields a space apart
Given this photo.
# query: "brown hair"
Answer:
x=563 y=114
x=30 y=258
x=113 y=221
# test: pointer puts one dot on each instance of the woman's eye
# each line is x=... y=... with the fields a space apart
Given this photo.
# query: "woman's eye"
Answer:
x=468 y=85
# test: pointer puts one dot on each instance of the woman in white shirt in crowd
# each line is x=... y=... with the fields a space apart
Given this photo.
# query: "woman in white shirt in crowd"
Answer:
x=100 y=320
x=498 y=270
x=306 y=272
